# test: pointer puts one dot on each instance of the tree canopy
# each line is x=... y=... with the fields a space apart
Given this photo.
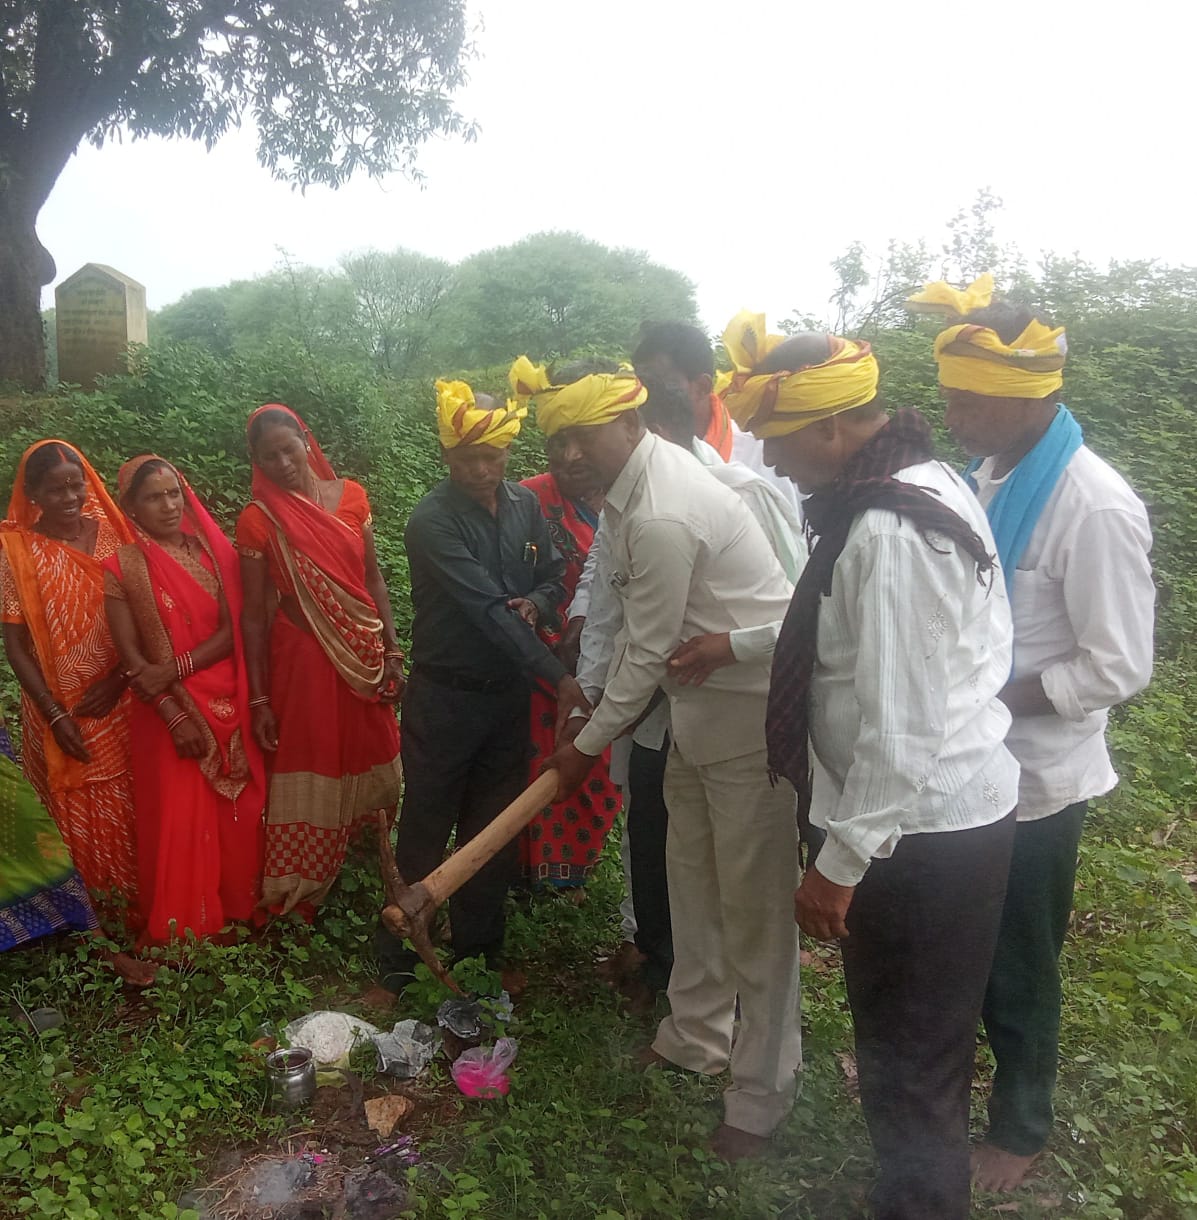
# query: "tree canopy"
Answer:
x=332 y=89
x=553 y=294
x=549 y=295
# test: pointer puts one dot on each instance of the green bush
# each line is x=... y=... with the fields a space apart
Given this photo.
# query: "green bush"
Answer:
x=110 y=1118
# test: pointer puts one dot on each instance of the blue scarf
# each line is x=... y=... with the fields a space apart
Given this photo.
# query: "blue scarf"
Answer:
x=1015 y=509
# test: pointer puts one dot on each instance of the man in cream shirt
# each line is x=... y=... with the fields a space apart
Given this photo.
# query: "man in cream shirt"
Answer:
x=690 y=559
x=668 y=413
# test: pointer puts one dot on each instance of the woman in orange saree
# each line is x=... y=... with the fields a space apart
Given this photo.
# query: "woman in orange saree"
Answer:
x=173 y=599
x=61 y=526
x=324 y=664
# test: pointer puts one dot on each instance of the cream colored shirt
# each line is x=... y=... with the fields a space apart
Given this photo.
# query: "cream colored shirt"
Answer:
x=688 y=559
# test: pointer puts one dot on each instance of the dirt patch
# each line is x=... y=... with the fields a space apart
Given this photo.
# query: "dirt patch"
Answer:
x=308 y=1186
x=321 y=1170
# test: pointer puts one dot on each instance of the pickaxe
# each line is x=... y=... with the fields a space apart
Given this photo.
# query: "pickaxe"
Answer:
x=409 y=908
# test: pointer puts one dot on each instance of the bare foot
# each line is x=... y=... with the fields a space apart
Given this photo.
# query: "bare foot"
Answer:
x=132 y=969
x=731 y=1144
x=639 y=997
x=647 y=1058
x=997 y=1171
x=624 y=963
x=379 y=997
x=515 y=982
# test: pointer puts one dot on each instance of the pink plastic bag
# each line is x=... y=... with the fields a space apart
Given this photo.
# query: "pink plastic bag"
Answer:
x=482 y=1072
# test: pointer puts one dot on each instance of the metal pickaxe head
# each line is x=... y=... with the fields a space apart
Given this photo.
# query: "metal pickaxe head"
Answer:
x=409 y=908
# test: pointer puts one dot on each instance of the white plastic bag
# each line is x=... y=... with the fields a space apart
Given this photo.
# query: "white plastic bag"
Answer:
x=330 y=1036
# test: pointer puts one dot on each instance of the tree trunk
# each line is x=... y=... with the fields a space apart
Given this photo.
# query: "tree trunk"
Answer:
x=25 y=265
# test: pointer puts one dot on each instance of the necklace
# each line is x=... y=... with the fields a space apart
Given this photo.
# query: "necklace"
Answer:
x=75 y=537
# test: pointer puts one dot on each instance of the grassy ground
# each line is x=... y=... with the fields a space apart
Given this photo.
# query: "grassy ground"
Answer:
x=132 y=1103
x=138 y=1099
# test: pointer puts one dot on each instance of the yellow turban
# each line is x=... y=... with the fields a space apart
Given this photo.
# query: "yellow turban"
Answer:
x=460 y=422
x=591 y=400
x=941 y=298
x=974 y=357
x=776 y=404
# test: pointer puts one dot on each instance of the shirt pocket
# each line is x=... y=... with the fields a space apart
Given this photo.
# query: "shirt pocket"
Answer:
x=1041 y=626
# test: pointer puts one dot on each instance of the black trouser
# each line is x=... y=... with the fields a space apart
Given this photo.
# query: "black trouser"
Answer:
x=922 y=926
x=465 y=758
x=1022 y=1004
x=648 y=827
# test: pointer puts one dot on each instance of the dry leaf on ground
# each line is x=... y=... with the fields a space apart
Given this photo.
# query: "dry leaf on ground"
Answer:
x=848 y=1064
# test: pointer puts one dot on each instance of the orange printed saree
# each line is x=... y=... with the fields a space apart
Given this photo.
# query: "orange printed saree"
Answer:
x=57 y=593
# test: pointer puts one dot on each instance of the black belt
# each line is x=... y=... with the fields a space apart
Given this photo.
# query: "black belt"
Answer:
x=441 y=675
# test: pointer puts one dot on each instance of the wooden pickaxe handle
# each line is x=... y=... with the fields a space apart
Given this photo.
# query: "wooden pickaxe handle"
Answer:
x=471 y=856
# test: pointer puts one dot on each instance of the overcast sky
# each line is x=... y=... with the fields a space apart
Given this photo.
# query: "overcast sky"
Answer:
x=745 y=144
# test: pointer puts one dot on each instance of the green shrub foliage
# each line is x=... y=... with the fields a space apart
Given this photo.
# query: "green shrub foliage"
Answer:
x=115 y=1115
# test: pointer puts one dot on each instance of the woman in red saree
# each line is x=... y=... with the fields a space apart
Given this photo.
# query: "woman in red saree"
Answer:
x=326 y=670
x=562 y=844
x=61 y=526
x=173 y=598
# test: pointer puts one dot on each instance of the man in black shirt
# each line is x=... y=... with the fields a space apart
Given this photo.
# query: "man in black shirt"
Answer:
x=483 y=573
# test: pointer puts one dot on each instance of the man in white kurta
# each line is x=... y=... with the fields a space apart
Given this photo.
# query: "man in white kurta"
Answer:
x=690 y=559
x=885 y=678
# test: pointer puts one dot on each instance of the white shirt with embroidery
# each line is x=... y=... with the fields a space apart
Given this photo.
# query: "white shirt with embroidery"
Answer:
x=906 y=727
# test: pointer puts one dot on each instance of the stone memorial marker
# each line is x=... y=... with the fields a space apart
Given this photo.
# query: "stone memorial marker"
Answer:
x=98 y=313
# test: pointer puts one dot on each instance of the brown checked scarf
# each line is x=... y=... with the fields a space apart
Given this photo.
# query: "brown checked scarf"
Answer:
x=865 y=482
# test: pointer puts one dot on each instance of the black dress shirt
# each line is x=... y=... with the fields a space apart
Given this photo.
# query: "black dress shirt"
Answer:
x=465 y=565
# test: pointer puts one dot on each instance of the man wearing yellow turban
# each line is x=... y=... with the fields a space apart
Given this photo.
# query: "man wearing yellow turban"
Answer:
x=1074 y=541
x=780 y=387
x=689 y=559
x=483 y=572
x=463 y=420
x=884 y=714
x=586 y=401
